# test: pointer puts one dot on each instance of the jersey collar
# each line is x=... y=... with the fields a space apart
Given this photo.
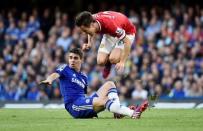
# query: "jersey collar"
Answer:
x=99 y=25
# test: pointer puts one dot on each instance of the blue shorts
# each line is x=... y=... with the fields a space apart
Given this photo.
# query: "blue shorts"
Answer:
x=82 y=107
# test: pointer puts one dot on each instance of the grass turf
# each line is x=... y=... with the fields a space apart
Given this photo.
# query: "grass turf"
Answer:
x=60 y=120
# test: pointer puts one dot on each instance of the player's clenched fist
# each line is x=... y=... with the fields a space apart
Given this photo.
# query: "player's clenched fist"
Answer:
x=86 y=46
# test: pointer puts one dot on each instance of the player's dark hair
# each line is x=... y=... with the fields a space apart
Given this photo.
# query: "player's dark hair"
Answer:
x=77 y=51
x=84 y=18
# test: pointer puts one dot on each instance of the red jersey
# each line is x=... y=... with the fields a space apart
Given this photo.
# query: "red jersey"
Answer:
x=114 y=24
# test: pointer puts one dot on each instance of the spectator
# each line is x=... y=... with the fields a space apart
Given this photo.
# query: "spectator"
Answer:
x=139 y=93
x=177 y=92
x=65 y=39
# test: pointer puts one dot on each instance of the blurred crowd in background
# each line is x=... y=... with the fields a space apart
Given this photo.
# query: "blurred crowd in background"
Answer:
x=166 y=59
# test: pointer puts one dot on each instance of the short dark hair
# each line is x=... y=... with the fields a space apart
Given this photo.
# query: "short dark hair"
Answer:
x=77 y=51
x=84 y=18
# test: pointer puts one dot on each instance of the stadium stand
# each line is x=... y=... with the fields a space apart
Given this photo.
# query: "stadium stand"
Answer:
x=166 y=58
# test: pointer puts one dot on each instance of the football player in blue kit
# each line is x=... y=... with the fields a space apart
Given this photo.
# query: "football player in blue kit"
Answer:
x=73 y=87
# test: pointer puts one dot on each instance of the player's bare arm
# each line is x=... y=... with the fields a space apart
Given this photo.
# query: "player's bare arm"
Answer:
x=90 y=40
x=51 y=78
x=127 y=46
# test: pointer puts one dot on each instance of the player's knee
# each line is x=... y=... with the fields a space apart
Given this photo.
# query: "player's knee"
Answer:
x=101 y=61
x=110 y=84
x=98 y=102
x=114 y=59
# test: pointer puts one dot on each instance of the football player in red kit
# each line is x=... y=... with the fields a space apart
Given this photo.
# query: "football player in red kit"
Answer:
x=118 y=36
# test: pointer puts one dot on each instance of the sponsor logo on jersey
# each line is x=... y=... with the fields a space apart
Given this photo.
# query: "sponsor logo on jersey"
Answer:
x=74 y=80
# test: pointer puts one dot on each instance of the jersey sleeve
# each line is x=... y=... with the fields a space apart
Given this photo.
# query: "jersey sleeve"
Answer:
x=115 y=30
x=60 y=69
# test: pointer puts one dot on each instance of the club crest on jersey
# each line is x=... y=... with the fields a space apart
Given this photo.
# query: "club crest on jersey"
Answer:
x=87 y=100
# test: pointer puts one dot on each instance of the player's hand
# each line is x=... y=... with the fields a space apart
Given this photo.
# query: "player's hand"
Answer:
x=86 y=47
x=120 y=67
x=43 y=84
x=47 y=82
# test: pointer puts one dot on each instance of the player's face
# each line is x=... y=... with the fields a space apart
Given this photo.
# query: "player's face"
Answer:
x=74 y=61
x=91 y=30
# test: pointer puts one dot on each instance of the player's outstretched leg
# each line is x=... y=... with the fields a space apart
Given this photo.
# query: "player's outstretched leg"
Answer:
x=113 y=97
x=133 y=112
x=115 y=107
x=108 y=98
x=139 y=109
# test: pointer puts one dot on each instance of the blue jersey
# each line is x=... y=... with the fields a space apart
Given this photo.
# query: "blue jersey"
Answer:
x=73 y=84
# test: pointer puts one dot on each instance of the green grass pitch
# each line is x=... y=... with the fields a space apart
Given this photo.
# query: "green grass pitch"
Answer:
x=60 y=120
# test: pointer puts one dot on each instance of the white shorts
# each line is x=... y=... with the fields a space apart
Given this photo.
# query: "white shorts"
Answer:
x=108 y=43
